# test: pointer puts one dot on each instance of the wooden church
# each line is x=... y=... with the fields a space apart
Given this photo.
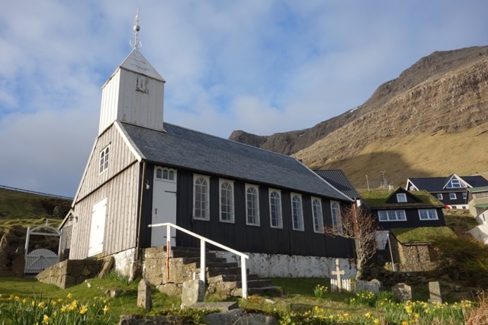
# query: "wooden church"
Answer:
x=144 y=171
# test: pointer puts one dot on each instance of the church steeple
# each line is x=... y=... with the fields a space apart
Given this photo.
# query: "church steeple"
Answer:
x=135 y=91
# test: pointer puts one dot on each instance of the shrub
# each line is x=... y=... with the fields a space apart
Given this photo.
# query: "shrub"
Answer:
x=463 y=259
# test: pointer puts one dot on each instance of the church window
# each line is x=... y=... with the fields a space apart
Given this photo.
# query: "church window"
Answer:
x=252 y=205
x=201 y=194
x=226 y=201
x=276 y=218
x=104 y=154
x=336 y=216
x=297 y=212
x=318 y=219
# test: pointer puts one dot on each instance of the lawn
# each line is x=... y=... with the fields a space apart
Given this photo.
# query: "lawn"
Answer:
x=304 y=301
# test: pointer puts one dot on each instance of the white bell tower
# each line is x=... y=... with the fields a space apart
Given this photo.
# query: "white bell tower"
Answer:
x=134 y=93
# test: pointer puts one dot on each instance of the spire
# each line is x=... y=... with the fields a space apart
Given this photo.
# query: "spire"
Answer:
x=136 y=44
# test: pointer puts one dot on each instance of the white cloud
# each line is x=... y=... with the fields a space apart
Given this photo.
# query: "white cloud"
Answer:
x=258 y=66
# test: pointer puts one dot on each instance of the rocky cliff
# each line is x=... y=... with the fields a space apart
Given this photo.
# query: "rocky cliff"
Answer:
x=431 y=120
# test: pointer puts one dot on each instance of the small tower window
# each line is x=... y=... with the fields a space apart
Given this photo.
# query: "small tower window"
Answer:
x=104 y=154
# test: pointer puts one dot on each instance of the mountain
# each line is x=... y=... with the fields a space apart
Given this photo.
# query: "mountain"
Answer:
x=430 y=121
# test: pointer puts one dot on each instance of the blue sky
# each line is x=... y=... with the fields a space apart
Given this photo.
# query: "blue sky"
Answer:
x=262 y=66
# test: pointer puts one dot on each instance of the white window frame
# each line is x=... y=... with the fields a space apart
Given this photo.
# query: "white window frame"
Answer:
x=452 y=196
x=392 y=215
x=252 y=219
x=297 y=212
x=401 y=197
x=205 y=207
x=428 y=214
x=318 y=215
x=166 y=174
x=335 y=215
x=226 y=207
x=439 y=196
x=279 y=214
x=455 y=183
x=104 y=158
x=465 y=195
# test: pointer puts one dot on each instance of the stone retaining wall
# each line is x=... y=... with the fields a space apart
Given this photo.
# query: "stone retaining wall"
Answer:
x=69 y=273
x=154 y=270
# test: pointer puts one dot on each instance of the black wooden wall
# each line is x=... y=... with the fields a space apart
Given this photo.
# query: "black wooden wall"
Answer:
x=238 y=235
x=413 y=220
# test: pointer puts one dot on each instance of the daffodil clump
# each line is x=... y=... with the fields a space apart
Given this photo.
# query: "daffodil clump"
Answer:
x=319 y=291
x=56 y=312
x=417 y=312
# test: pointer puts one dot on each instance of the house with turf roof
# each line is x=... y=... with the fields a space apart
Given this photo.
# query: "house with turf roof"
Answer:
x=143 y=170
x=451 y=190
x=415 y=215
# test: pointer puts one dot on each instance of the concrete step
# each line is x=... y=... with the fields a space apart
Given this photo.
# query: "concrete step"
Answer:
x=255 y=283
x=231 y=278
x=261 y=291
x=213 y=271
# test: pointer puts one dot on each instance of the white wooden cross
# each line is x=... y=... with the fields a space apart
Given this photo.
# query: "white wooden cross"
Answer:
x=338 y=272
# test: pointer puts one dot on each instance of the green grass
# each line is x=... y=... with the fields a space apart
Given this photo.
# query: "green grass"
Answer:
x=27 y=209
x=298 y=304
x=421 y=234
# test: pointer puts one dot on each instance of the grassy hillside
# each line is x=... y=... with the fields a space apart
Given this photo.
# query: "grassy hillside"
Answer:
x=27 y=209
x=422 y=155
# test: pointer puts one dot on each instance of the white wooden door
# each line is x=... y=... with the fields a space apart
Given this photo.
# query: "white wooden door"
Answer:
x=164 y=205
x=97 y=227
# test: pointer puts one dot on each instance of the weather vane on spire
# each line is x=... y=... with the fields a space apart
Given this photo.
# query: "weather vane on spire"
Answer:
x=136 y=43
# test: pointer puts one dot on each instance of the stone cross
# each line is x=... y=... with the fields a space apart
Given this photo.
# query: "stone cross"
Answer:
x=338 y=272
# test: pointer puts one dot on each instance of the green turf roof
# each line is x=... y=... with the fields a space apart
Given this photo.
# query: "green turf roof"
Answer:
x=420 y=234
x=377 y=199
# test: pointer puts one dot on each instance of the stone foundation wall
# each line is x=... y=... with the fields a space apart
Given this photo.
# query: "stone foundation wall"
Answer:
x=154 y=270
x=413 y=258
x=291 y=266
x=69 y=273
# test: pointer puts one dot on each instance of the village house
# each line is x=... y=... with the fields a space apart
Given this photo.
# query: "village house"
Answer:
x=451 y=190
x=406 y=220
x=143 y=170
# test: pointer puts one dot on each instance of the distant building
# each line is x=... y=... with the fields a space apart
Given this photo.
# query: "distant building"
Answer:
x=451 y=190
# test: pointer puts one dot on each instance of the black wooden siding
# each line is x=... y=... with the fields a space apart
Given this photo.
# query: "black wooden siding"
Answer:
x=413 y=219
x=239 y=235
x=447 y=201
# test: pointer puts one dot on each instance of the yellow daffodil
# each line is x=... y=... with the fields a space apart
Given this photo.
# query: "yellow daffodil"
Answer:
x=45 y=320
x=69 y=295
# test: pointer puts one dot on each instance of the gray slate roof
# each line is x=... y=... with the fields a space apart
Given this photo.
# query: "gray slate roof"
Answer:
x=437 y=184
x=339 y=180
x=207 y=154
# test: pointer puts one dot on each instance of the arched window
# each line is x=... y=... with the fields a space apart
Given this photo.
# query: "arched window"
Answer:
x=201 y=198
x=297 y=212
x=252 y=205
x=336 y=215
x=318 y=219
x=275 y=209
x=226 y=201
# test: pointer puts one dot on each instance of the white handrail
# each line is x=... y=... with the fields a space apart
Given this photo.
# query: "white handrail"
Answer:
x=203 y=240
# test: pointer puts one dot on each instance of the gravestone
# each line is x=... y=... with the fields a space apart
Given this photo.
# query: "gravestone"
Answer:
x=144 y=299
x=338 y=272
x=402 y=291
x=193 y=291
x=435 y=292
x=373 y=286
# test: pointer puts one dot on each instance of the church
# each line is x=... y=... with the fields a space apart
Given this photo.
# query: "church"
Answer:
x=143 y=171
